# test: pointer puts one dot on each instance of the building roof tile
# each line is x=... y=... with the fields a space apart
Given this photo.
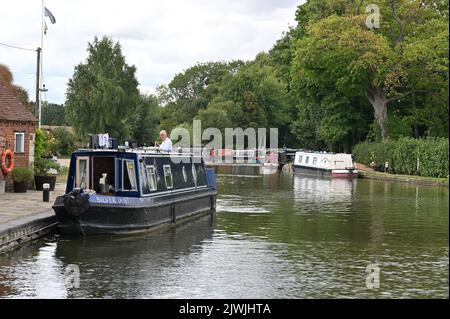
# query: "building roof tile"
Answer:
x=11 y=109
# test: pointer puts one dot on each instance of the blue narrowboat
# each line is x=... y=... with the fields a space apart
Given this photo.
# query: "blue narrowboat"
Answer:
x=129 y=190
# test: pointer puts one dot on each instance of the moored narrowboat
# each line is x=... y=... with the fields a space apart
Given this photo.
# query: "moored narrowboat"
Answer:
x=325 y=164
x=128 y=190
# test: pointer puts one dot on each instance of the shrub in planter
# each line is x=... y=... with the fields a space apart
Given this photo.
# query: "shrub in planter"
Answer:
x=45 y=171
x=21 y=176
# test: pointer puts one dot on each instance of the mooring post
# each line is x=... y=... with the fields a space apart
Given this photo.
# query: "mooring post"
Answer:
x=46 y=192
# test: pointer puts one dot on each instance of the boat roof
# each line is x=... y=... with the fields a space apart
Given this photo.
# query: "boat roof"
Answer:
x=315 y=152
x=320 y=152
x=141 y=151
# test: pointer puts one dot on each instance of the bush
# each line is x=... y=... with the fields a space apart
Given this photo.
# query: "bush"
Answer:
x=40 y=144
x=22 y=174
x=64 y=142
x=402 y=155
x=46 y=167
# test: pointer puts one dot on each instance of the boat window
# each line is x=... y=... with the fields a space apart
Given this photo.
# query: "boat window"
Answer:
x=82 y=173
x=300 y=158
x=129 y=176
x=314 y=160
x=168 y=176
x=201 y=176
x=307 y=160
x=103 y=174
x=151 y=177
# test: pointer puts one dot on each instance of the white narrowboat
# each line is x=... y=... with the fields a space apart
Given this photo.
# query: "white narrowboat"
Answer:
x=325 y=164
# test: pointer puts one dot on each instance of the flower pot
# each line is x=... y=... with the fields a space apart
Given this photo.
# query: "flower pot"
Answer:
x=20 y=187
x=2 y=186
x=40 y=180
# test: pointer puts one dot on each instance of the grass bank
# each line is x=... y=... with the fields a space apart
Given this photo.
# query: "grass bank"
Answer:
x=421 y=180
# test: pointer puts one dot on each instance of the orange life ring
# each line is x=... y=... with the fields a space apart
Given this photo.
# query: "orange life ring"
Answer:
x=5 y=154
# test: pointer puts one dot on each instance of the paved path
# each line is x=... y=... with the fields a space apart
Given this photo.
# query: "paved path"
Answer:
x=64 y=162
x=16 y=205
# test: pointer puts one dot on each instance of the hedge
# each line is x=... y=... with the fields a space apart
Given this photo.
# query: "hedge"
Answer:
x=402 y=155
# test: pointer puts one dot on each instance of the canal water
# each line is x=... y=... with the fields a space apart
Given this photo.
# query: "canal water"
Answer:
x=274 y=236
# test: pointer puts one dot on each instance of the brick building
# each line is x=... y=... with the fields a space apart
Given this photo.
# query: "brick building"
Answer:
x=17 y=129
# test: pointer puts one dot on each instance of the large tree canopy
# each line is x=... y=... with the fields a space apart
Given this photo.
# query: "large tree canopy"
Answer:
x=339 y=54
x=145 y=119
x=328 y=83
x=102 y=94
x=7 y=78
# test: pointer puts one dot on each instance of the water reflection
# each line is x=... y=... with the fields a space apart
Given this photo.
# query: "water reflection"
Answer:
x=333 y=195
x=39 y=276
x=274 y=236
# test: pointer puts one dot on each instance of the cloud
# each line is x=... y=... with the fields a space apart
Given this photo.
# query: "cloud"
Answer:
x=161 y=38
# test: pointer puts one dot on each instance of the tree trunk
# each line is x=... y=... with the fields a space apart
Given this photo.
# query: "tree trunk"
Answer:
x=378 y=99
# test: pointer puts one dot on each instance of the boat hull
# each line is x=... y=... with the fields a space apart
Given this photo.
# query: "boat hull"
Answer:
x=344 y=173
x=107 y=214
x=312 y=171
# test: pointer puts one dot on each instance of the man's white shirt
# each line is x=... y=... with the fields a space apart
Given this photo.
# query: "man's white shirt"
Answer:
x=166 y=145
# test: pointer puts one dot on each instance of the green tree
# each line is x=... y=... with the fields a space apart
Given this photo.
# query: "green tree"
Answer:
x=64 y=142
x=53 y=114
x=216 y=115
x=259 y=96
x=192 y=90
x=102 y=95
x=145 y=120
x=338 y=52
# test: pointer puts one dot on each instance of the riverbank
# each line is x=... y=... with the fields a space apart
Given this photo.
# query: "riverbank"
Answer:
x=366 y=172
x=25 y=216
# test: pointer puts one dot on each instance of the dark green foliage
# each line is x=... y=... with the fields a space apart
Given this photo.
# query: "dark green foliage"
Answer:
x=42 y=144
x=64 y=142
x=145 y=119
x=22 y=175
x=53 y=114
x=327 y=84
x=102 y=94
x=402 y=155
x=44 y=167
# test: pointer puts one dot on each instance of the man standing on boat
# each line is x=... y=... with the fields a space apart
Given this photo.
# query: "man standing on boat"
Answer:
x=166 y=144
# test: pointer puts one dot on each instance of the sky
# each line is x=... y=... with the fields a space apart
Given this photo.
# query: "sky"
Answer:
x=160 y=37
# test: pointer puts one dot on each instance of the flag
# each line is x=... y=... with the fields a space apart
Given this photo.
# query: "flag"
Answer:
x=50 y=16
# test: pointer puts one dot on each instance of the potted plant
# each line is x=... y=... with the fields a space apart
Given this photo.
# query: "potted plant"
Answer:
x=21 y=176
x=45 y=171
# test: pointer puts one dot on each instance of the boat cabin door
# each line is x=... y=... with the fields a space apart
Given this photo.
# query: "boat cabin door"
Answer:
x=82 y=173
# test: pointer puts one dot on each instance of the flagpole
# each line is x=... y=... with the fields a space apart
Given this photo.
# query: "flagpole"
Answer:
x=41 y=73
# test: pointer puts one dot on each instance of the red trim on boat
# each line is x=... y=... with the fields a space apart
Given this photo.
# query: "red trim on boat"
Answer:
x=344 y=174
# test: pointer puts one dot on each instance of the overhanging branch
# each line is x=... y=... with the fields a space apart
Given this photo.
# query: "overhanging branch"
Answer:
x=402 y=95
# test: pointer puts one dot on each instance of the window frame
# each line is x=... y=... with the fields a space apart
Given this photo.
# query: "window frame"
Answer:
x=307 y=160
x=153 y=174
x=167 y=170
x=125 y=163
x=23 y=142
x=87 y=181
x=314 y=162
